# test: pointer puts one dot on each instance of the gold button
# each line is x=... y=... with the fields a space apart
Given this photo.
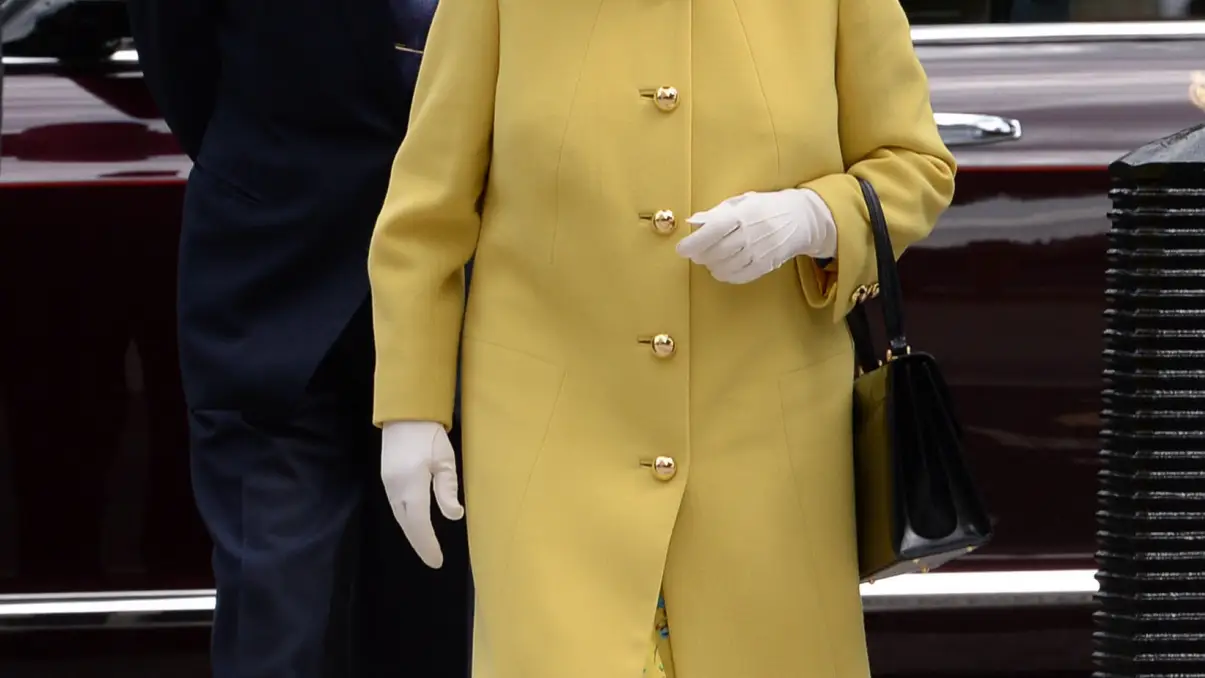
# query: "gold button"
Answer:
x=663 y=468
x=663 y=346
x=664 y=222
x=665 y=98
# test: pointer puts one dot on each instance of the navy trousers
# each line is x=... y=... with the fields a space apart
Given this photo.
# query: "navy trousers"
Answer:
x=314 y=577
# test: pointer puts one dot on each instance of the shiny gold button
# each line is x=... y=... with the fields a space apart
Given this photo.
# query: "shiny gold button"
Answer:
x=665 y=98
x=664 y=222
x=663 y=345
x=663 y=468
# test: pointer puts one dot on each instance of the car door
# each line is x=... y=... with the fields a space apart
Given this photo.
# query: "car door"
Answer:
x=1035 y=98
x=95 y=506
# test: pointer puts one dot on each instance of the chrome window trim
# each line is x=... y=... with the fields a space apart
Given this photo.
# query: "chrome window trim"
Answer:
x=1097 y=31
x=954 y=34
x=933 y=591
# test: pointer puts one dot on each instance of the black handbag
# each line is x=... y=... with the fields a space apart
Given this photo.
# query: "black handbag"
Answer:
x=917 y=506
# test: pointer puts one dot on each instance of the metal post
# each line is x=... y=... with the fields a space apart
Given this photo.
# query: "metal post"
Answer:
x=1151 y=497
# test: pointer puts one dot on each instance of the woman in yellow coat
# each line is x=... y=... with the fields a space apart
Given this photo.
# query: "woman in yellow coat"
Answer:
x=655 y=368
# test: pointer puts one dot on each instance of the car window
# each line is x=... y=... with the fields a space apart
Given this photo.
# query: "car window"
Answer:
x=928 y=12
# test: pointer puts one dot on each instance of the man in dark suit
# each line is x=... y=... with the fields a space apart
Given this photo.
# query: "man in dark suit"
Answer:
x=292 y=111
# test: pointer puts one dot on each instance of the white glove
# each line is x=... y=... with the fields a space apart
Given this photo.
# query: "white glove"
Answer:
x=746 y=237
x=416 y=458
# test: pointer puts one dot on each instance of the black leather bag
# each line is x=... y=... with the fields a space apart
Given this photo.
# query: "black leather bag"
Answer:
x=917 y=505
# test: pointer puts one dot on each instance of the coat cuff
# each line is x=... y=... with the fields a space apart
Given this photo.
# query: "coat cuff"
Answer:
x=834 y=285
x=420 y=386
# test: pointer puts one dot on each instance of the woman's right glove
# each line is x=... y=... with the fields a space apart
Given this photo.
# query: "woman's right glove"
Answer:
x=416 y=458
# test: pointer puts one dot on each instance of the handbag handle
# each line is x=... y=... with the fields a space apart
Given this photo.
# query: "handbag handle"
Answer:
x=891 y=294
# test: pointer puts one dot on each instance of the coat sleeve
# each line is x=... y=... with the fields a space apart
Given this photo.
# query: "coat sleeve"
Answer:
x=178 y=52
x=888 y=137
x=427 y=229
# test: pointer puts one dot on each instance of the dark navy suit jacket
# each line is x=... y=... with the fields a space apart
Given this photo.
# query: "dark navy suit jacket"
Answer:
x=292 y=111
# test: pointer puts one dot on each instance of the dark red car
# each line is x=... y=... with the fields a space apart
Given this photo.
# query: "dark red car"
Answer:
x=102 y=559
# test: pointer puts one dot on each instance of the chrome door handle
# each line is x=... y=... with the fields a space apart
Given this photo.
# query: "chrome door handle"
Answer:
x=970 y=129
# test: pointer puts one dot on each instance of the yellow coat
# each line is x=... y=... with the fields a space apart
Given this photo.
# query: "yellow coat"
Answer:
x=538 y=142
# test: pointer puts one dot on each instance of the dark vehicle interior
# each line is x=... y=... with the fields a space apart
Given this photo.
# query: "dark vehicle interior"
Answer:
x=68 y=30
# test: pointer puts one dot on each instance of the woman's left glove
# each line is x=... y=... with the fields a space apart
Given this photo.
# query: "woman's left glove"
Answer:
x=746 y=237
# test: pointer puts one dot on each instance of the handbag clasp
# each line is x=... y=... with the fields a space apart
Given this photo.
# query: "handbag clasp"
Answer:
x=859 y=371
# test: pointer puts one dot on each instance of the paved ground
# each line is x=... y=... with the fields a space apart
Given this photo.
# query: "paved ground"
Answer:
x=127 y=668
x=1015 y=643
x=970 y=643
x=172 y=653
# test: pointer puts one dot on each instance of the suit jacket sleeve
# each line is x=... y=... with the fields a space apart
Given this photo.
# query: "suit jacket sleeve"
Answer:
x=888 y=137
x=427 y=229
x=178 y=52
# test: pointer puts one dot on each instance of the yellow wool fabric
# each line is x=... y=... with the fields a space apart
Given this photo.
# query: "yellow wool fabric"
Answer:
x=538 y=146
